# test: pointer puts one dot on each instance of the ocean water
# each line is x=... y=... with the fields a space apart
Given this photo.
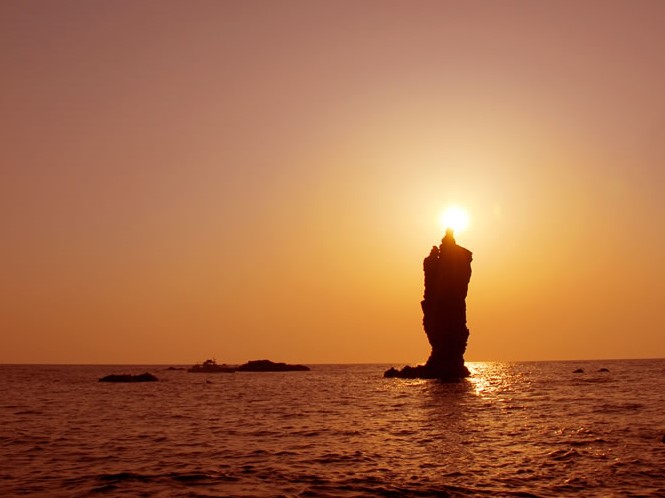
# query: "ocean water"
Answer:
x=512 y=429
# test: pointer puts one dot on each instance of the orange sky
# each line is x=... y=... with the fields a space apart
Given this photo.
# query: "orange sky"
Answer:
x=244 y=180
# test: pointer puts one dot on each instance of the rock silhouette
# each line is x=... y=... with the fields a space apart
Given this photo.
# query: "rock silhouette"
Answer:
x=447 y=274
x=270 y=366
x=211 y=366
x=144 y=377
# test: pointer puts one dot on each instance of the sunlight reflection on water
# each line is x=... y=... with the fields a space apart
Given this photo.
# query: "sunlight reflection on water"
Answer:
x=489 y=378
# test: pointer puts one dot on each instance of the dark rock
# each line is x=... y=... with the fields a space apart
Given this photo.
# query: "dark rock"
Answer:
x=447 y=274
x=603 y=370
x=174 y=368
x=578 y=371
x=418 y=372
x=269 y=366
x=144 y=377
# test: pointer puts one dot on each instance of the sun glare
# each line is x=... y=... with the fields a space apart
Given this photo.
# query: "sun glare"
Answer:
x=456 y=218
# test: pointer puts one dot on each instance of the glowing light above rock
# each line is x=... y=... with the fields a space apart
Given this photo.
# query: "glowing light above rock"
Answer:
x=455 y=218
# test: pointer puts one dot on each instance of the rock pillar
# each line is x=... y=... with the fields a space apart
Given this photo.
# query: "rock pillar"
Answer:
x=447 y=274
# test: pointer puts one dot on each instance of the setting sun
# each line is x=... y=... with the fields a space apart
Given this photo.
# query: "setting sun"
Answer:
x=456 y=218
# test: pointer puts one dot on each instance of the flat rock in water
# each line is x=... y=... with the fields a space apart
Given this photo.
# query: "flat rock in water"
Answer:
x=144 y=377
x=270 y=366
x=425 y=372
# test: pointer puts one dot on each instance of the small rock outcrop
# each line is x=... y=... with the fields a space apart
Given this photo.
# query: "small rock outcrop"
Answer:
x=447 y=274
x=270 y=366
x=144 y=377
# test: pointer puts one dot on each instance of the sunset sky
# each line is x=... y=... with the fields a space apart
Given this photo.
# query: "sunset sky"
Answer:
x=244 y=180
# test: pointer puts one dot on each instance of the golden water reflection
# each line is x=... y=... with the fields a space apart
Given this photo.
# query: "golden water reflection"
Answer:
x=489 y=378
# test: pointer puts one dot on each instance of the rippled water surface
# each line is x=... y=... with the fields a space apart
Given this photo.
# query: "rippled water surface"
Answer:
x=520 y=429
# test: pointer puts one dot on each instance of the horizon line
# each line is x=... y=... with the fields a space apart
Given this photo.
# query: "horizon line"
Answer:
x=329 y=363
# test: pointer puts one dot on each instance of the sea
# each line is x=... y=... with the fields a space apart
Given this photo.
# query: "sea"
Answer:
x=511 y=429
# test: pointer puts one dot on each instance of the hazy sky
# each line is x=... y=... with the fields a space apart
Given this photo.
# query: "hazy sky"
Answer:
x=245 y=180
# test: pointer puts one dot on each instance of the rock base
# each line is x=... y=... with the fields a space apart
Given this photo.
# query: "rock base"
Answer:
x=425 y=372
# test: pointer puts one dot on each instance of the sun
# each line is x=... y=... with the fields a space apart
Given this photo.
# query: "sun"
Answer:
x=456 y=218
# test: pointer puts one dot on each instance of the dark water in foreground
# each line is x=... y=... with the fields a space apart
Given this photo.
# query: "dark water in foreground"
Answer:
x=521 y=429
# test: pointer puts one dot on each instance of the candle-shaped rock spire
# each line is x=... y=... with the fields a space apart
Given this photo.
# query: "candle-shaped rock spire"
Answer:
x=447 y=274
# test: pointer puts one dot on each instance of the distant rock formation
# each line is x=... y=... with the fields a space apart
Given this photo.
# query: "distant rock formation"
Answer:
x=447 y=274
x=269 y=366
x=211 y=366
x=144 y=377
